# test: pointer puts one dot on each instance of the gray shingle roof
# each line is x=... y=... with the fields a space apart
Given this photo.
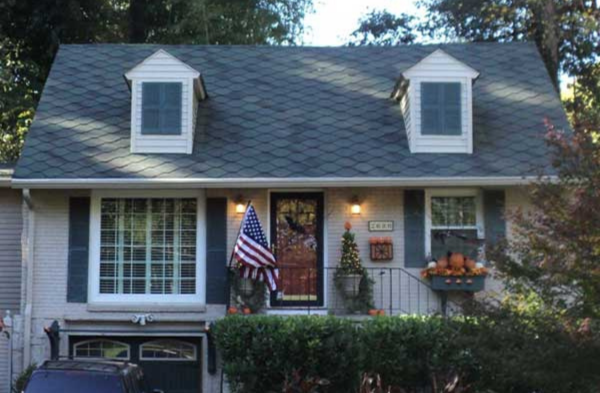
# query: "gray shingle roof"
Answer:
x=281 y=112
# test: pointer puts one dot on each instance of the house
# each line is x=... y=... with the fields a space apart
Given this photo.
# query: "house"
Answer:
x=11 y=227
x=141 y=159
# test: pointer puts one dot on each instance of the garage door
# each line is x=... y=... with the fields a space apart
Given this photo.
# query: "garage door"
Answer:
x=171 y=364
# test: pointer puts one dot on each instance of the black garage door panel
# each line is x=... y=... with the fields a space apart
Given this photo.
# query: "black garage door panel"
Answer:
x=171 y=376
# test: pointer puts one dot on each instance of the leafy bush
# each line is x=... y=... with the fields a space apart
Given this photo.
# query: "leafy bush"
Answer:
x=505 y=353
x=22 y=379
x=416 y=352
x=260 y=353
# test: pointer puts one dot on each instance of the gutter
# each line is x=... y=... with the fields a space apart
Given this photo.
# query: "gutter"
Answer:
x=300 y=182
x=29 y=253
x=5 y=178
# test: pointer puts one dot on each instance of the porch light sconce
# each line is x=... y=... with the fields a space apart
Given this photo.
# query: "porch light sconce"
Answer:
x=240 y=206
x=355 y=206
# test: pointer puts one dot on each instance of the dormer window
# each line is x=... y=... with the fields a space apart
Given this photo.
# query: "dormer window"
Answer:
x=161 y=108
x=440 y=108
x=436 y=101
x=165 y=93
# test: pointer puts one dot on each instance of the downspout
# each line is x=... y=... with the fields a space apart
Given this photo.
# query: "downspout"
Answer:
x=30 y=260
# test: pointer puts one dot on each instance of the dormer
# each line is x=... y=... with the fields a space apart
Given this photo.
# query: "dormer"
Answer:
x=436 y=99
x=164 y=100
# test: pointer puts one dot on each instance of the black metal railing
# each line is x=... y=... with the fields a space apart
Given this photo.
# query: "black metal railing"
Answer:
x=388 y=290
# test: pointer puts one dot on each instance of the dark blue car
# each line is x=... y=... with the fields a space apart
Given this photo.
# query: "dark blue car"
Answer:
x=70 y=376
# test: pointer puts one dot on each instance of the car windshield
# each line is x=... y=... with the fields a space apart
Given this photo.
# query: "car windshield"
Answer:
x=73 y=382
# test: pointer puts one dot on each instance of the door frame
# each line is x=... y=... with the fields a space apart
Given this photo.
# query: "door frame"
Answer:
x=319 y=195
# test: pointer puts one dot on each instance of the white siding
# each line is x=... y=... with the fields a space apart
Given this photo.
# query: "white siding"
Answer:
x=439 y=67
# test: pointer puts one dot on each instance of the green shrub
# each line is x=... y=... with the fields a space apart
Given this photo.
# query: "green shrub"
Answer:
x=22 y=379
x=261 y=352
x=508 y=353
x=410 y=352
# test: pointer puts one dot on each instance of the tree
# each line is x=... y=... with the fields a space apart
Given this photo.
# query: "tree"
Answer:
x=31 y=31
x=555 y=255
x=384 y=28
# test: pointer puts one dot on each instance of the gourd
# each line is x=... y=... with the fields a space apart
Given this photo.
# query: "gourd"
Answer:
x=457 y=261
x=442 y=263
x=470 y=264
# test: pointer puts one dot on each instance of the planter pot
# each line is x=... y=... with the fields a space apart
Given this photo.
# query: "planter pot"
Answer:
x=246 y=287
x=351 y=284
x=458 y=283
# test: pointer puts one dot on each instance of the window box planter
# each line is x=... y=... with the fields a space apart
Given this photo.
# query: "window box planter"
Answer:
x=458 y=283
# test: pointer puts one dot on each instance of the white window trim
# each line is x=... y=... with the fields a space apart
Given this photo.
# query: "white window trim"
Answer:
x=94 y=295
x=453 y=192
x=187 y=124
x=101 y=358
x=194 y=347
x=439 y=143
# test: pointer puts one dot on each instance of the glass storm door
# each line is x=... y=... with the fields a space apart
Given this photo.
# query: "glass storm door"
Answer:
x=297 y=239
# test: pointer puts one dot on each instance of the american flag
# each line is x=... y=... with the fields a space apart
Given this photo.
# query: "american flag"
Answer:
x=255 y=259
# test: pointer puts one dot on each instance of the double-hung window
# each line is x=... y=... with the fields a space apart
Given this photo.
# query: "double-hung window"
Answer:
x=453 y=222
x=146 y=248
x=441 y=111
x=161 y=108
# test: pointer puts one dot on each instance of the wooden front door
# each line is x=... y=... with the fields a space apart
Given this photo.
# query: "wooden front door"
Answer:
x=297 y=239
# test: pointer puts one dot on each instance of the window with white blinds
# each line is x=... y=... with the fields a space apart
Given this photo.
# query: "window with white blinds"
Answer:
x=148 y=246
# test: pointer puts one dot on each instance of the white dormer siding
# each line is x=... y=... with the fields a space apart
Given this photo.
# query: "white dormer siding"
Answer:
x=438 y=68
x=161 y=67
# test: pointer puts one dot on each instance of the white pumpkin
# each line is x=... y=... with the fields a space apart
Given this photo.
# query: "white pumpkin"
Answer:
x=479 y=265
x=431 y=265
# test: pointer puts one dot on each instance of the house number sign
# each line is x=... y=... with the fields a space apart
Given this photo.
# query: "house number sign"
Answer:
x=381 y=226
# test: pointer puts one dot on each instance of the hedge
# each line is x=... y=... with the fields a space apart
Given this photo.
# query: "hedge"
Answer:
x=263 y=353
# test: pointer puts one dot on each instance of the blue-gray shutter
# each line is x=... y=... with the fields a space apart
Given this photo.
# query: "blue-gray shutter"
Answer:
x=170 y=111
x=414 y=228
x=217 y=290
x=494 y=220
x=161 y=108
x=150 y=108
x=452 y=111
x=79 y=241
x=431 y=121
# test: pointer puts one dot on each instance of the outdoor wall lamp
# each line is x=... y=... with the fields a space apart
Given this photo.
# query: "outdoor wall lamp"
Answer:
x=240 y=206
x=355 y=206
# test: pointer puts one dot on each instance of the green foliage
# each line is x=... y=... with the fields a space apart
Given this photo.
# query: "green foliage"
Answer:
x=555 y=255
x=384 y=28
x=254 y=297
x=31 y=30
x=409 y=352
x=350 y=262
x=261 y=352
x=507 y=352
x=20 y=382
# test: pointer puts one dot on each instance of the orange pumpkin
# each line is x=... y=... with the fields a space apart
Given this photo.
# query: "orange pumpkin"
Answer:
x=247 y=311
x=373 y=312
x=470 y=264
x=442 y=263
x=232 y=310
x=457 y=261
